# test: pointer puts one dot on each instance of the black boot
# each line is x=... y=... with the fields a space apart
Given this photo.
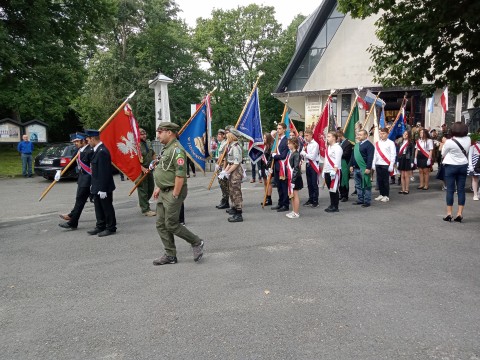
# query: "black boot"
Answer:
x=237 y=217
x=268 y=201
x=231 y=211
x=223 y=204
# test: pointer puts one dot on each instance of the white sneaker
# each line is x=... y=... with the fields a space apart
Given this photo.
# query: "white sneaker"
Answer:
x=290 y=213
x=379 y=198
x=412 y=179
x=293 y=215
x=475 y=198
x=385 y=199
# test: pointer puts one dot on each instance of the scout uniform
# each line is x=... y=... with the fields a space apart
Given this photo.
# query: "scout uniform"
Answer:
x=223 y=182
x=172 y=164
x=145 y=189
x=234 y=157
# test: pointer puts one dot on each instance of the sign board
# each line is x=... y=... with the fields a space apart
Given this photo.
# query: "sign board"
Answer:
x=36 y=133
x=9 y=132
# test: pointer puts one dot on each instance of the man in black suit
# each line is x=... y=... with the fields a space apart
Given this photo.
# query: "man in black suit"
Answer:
x=347 y=148
x=84 y=181
x=279 y=170
x=102 y=186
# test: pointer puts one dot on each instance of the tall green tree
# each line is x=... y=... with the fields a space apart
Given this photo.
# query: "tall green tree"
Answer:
x=435 y=41
x=45 y=44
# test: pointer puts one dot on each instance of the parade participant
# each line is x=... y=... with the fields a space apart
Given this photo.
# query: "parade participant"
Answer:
x=311 y=155
x=170 y=192
x=383 y=162
x=145 y=189
x=25 y=148
x=233 y=171
x=473 y=156
x=279 y=169
x=455 y=161
x=347 y=148
x=423 y=158
x=405 y=161
x=294 y=176
x=222 y=146
x=331 y=170
x=85 y=153
x=102 y=186
x=361 y=166
x=190 y=165
x=265 y=168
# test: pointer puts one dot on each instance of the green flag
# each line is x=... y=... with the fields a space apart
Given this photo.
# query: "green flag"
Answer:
x=349 y=130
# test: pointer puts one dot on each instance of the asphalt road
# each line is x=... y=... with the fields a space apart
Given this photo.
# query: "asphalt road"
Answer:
x=392 y=281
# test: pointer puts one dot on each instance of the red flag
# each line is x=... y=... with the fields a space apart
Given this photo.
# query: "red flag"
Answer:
x=293 y=128
x=319 y=132
x=444 y=100
x=122 y=139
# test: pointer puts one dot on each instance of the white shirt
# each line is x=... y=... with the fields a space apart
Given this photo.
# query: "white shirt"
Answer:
x=83 y=148
x=451 y=153
x=427 y=145
x=335 y=153
x=96 y=146
x=312 y=152
x=388 y=149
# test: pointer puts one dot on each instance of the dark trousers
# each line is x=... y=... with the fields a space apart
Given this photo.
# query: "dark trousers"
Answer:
x=312 y=183
x=181 y=217
x=383 y=179
x=282 y=189
x=105 y=213
x=82 y=196
x=455 y=177
x=190 y=165
x=334 y=196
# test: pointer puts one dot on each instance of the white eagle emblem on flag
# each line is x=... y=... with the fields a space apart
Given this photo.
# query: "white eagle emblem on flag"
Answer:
x=128 y=145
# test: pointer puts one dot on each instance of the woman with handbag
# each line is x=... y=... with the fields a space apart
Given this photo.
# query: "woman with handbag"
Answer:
x=455 y=162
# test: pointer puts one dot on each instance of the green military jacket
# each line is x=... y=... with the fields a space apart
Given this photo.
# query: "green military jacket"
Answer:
x=234 y=153
x=173 y=163
x=222 y=147
x=147 y=153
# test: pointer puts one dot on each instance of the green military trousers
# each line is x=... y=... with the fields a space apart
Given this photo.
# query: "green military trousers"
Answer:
x=168 y=224
x=145 y=191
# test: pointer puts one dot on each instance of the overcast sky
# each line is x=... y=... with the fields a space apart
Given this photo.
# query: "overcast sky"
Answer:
x=285 y=11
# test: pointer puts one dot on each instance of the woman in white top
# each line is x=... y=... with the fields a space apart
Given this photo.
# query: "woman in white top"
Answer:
x=423 y=158
x=331 y=172
x=473 y=156
x=455 y=161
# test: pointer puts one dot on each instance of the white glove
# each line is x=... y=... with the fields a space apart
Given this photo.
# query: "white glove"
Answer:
x=293 y=186
x=57 y=175
x=102 y=194
x=274 y=154
x=428 y=162
x=412 y=165
x=270 y=171
x=152 y=165
x=303 y=153
x=227 y=175
x=390 y=168
x=217 y=167
x=333 y=174
x=415 y=161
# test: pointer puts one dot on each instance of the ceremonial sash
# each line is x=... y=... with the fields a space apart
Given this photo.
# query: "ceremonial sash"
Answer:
x=82 y=165
x=289 y=171
x=333 y=184
x=382 y=155
x=345 y=172
x=312 y=163
x=366 y=180
x=424 y=152
x=476 y=147
x=403 y=148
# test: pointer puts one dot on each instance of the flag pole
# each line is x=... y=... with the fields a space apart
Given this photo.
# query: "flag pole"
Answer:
x=45 y=192
x=351 y=113
x=273 y=163
x=370 y=112
x=220 y=159
x=179 y=133
x=404 y=103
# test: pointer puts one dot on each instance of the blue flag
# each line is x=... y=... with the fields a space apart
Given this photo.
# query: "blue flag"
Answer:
x=250 y=126
x=382 y=118
x=194 y=138
x=398 y=127
x=287 y=123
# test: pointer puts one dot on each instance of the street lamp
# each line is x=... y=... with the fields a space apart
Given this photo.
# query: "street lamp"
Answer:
x=162 y=106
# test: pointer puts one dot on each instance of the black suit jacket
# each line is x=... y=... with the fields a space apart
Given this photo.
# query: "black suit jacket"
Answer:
x=281 y=153
x=102 y=178
x=347 y=148
x=84 y=178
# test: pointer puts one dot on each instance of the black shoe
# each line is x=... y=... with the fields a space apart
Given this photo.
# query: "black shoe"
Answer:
x=314 y=205
x=308 y=203
x=94 y=231
x=365 y=205
x=223 y=205
x=231 y=211
x=106 y=232
x=357 y=203
x=67 y=226
x=344 y=199
x=268 y=202
x=235 y=218
x=459 y=218
x=354 y=193
x=165 y=259
x=276 y=207
x=282 y=209
x=331 y=210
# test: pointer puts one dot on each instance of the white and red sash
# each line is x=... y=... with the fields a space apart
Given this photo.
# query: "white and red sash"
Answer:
x=312 y=163
x=423 y=151
x=403 y=148
x=382 y=155
x=82 y=165
x=333 y=184
x=289 y=171
x=476 y=147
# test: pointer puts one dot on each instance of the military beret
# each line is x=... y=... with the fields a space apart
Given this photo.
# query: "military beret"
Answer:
x=91 y=132
x=221 y=131
x=77 y=136
x=167 y=125
x=235 y=132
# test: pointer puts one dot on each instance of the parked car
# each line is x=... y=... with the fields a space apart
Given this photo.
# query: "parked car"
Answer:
x=55 y=157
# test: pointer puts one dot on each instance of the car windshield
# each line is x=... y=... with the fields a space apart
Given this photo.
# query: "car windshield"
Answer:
x=58 y=151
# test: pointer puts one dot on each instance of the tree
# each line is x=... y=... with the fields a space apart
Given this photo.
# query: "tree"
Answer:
x=45 y=44
x=432 y=41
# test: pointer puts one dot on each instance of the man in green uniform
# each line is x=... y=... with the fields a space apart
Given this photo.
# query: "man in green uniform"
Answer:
x=222 y=146
x=145 y=189
x=170 y=192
